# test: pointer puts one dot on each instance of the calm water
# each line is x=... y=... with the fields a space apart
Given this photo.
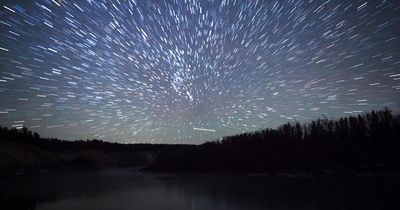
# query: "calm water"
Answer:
x=127 y=189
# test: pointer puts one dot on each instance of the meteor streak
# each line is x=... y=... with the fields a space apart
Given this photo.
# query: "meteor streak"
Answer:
x=204 y=129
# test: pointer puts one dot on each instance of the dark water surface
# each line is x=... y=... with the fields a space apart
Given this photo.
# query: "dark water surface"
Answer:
x=126 y=189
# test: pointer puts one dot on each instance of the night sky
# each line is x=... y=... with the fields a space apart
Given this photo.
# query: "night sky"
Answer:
x=187 y=71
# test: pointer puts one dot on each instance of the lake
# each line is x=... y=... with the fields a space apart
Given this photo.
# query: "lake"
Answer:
x=127 y=189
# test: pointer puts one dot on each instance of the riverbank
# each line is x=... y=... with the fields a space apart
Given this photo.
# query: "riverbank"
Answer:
x=21 y=158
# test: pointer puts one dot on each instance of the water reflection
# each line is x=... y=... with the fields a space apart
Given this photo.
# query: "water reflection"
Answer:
x=127 y=189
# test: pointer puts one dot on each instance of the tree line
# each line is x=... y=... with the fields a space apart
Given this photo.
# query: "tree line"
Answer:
x=368 y=142
x=24 y=135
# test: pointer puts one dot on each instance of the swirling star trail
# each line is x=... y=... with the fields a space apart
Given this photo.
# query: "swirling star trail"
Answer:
x=163 y=71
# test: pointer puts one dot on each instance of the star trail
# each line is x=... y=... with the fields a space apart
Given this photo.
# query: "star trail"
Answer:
x=186 y=71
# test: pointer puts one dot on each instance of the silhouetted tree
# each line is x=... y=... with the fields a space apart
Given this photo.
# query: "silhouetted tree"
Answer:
x=370 y=140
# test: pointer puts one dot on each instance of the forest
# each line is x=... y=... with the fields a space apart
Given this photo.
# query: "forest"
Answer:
x=367 y=143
